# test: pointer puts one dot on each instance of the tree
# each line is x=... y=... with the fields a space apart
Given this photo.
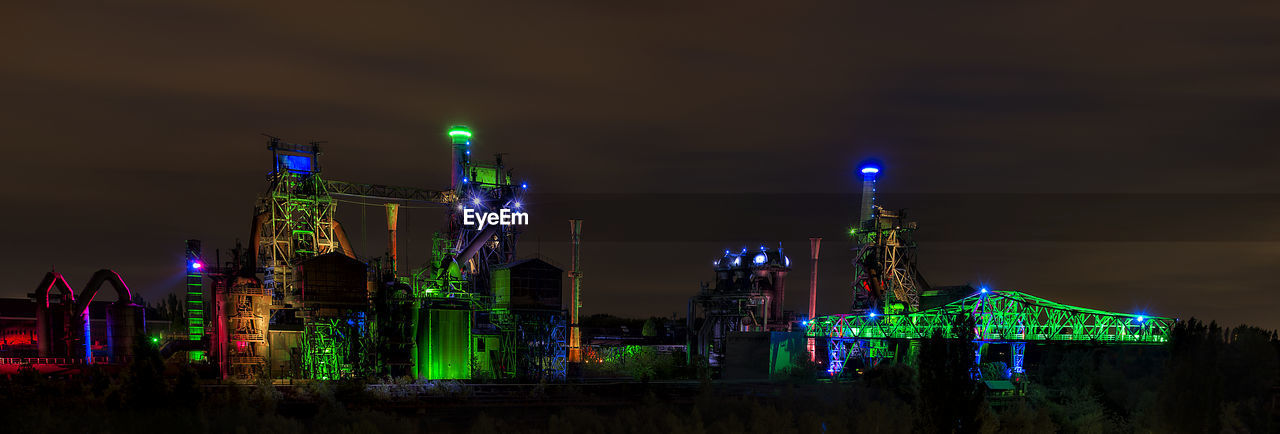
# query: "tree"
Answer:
x=949 y=397
x=650 y=328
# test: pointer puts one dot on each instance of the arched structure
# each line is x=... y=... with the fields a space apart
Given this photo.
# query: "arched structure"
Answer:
x=56 y=321
x=63 y=328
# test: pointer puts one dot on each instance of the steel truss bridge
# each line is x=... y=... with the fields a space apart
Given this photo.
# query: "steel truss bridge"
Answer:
x=1008 y=317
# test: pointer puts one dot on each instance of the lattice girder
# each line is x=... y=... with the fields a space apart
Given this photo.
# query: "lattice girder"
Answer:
x=1001 y=316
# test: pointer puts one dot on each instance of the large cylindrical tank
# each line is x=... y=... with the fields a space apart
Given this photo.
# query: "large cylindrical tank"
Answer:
x=126 y=326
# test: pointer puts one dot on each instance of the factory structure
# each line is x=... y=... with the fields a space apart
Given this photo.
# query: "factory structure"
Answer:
x=895 y=308
x=738 y=327
x=299 y=302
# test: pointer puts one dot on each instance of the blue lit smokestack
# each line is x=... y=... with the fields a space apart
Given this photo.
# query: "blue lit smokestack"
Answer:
x=870 y=171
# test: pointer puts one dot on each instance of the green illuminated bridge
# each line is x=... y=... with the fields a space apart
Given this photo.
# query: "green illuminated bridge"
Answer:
x=1001 y=316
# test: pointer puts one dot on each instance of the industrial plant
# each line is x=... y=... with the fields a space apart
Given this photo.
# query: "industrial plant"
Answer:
x=299 y=303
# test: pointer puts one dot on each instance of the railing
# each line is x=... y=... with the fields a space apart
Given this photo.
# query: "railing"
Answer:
x=96 y=360
x=246 y=337
x=248 y=290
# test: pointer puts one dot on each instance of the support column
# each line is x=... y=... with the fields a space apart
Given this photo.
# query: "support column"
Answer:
x=393 y=215
x=1019 y=351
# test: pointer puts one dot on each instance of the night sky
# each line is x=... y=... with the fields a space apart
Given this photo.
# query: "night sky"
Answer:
x=1116 y=155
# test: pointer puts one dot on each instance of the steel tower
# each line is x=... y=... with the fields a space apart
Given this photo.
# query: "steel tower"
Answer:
x=195 y=298
x=886 y=280
x=298 y=217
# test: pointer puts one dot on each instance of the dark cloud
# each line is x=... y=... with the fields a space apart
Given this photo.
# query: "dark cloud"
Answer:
x=131 y=126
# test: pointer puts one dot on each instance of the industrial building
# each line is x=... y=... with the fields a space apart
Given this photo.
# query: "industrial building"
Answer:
x=300 y=302
x=745 y=305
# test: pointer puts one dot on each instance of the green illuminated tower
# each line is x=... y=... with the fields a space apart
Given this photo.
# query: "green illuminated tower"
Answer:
x=195 y=298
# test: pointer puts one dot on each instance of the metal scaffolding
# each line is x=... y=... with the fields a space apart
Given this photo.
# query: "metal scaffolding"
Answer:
x=299 y=217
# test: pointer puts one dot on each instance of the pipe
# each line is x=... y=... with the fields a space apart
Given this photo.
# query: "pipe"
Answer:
x=255 y=240
x=95 y=283
x=476 y=244
x=124 y=299
x=343 y=243
x=690 y=339
x=41 y=297
x=815 y=243
x=393 y=217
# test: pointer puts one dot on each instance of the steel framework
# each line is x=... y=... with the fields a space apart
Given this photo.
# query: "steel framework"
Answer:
x=885 y=276
x=998 y=317
x=299 y=211
x=555 y=365
x=323 y=353
x=377 y=191
x=1001 y=316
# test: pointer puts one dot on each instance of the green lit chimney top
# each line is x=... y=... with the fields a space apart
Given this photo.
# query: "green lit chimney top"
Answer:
x=460 y=134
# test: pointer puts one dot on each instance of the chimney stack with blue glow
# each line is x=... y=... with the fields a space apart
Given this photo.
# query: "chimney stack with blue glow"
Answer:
x=870 y=171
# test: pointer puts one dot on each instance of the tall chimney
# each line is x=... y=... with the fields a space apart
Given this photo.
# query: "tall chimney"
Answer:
x=460 y=138
x=575 y=297
x=814 y=244
x=870 y=172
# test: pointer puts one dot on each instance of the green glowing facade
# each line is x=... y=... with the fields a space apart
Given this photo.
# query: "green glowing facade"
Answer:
x=195 y=299
x=444 y=344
